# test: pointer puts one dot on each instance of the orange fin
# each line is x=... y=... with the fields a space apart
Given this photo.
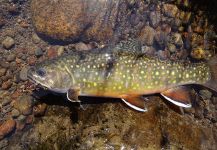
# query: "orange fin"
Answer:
x=135 y=102
x=72 y=94
x=179 y=96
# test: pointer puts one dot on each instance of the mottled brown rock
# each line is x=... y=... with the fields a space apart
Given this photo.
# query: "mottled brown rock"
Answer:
x=7 y=127
x=69 y=20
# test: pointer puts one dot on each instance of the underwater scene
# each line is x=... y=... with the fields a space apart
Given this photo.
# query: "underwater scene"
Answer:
x=108 y=75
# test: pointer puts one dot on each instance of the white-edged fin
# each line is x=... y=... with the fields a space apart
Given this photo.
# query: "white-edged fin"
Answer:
x=134 y=107
x=72 y=95
x=176 y=102
x=180 y=96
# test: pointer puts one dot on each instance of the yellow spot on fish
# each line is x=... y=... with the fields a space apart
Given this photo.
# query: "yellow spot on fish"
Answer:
x=84 y=80
x=173 y=73
x=94 y=84
x=142 y=72
x=157 y=73
x=187 y=75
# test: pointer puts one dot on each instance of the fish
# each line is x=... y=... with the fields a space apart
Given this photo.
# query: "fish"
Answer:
x=123 y=72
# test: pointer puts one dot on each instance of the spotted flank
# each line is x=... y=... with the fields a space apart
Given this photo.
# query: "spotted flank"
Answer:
x=122 y=74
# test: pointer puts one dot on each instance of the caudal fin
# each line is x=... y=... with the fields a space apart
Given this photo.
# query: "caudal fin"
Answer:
x=212 y=84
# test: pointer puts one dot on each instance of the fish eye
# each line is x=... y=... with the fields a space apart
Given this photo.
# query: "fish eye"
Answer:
x=41 y=72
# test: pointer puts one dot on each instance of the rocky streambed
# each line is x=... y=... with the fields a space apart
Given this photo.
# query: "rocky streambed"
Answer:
x=32 y=31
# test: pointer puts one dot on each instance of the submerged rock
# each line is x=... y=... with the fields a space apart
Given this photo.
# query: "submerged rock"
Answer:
x=7 y=127
x=72 y=19
x=8 y=43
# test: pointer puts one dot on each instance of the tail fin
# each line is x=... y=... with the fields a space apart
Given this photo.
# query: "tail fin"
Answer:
x=212 y=84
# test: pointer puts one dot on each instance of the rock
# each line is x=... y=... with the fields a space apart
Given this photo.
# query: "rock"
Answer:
x=6 y=85
x=8 y=42
x=205 y=94
x=200 y=53
x=52 y=53
x=155 y=18
x=23 y=73
x=176 y=39
x=39 y=110
x=171 y=48
x=7 y=100
x=11 y=57
x=3 y=143
x=35 y=38
x=2 y=71
x=20 y=122
x=15 y=113
x=170 y=10
x=24 y=104
x=81 y=46
x=5 y=64
x=60 y=50
x=7 y=127
x=38 y=52
x=161 y=40
x=70 y=20
x=147 y=35
x=2 y=21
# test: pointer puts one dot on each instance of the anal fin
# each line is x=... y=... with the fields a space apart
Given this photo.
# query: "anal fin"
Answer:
x=179 y=96
x=135 y=102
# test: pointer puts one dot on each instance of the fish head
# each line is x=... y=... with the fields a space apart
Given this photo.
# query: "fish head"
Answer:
x=50 y=76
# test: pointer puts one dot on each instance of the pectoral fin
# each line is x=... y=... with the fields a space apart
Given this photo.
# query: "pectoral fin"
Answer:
x=72 y=94
x=179 y=96
x=135 y=102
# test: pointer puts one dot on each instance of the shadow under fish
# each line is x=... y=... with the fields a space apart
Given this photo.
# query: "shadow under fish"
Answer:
x=123 y=72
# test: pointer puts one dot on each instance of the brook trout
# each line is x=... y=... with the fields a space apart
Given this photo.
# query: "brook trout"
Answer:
x=123 y=75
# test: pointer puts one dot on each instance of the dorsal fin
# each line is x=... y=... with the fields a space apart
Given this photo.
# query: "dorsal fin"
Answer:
x=179 y=96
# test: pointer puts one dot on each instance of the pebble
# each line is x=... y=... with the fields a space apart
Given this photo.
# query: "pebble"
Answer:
x=35 y=38
x=20 y=122
x=51 y=53
x=6 y=85
x=171 y=48
x=39 y=110
x=60 y=50
x=8 y=42
x=2 y=71
x=7 y=100
x=5 y=64
x=176 y=39
x=11 y=57
x=170 y=10
x=23 y=73
x=15 y=113
x=38 y=52
x=24 y=104
x=155 y=18
x=205 y=94
x=81 y=46
x=7 y=127
x=147 y=35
